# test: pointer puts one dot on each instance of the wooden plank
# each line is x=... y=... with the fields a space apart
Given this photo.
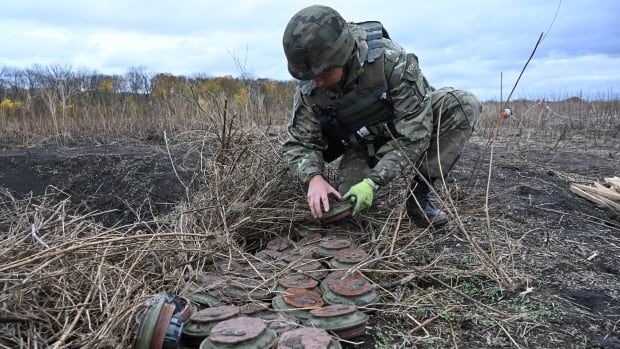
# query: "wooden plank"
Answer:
x=601 y=201
x=607 y=192
x=614 y=182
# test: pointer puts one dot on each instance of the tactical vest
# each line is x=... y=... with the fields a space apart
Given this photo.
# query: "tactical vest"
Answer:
x=362 y=106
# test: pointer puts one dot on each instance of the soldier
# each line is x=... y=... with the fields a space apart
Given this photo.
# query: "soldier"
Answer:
x=361 y=97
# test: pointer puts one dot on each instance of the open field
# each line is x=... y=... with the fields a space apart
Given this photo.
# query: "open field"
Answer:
x=108 y=206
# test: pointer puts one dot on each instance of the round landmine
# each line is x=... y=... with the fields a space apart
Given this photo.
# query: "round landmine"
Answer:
x=162 y=324
x=346 y=321
x=339 y=211
x=277 y=321
x=350 y=289
x=300 y=254
x=297 y=281
x=240 y=333
x=247 y=289
x=349 y=258
x=310 y=267
x=204 y=300
x=280 y=244
x=253 y=308
x=259 y=270
x=297 y=302
x=201 y=322
x=307 y=338
x=146 y=328
x=329 y=247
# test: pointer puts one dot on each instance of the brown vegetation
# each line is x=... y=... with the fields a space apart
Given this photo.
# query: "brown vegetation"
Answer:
x=513 y=269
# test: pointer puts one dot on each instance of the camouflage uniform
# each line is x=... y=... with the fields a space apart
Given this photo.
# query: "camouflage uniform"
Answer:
x=426 y=126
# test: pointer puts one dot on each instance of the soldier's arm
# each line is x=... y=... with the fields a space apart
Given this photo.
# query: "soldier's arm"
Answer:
x=410 y=94
x=303 y=148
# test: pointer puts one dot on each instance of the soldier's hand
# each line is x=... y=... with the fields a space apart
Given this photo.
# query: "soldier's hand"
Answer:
x=318 y=195
x=363 y=192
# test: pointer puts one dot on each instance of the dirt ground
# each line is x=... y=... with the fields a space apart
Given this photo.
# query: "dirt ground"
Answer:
x=563 y=251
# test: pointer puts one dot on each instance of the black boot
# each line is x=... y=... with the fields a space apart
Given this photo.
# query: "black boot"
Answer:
x=421 y=209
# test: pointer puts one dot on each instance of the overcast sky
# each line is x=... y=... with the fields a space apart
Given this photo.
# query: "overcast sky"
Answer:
x=465 y=44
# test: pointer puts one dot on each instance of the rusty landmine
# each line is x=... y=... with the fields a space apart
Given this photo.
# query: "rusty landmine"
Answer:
x=350 y=332
x=340 y=210
x=298 y=281
x=333 y=310
x=238 y=330
x=253 y=308
x=161 y=327
x=302 y=298
x=352 y=255
x=341 y=275
x=215 y=314
x=278 y=321
x=350 y=286
x=306 y=338
x=211 y=281
x=280 y=244
x=335 y=244
x=344 y=320
x=298 y=255
x=310 y=267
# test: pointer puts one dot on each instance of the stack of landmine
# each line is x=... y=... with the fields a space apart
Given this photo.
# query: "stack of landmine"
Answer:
x=289 y=294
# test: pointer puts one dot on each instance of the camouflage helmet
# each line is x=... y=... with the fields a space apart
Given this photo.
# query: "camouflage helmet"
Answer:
x=315 y=40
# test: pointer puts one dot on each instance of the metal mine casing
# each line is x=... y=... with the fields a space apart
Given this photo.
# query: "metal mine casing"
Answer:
x=340 y=287
x=161 y=323
x=278 y=321
x=240 y=333
x=310 y=267
x=297 y=302
x=349 y=258
x=204 y=300
x=297 y=281
x=340 y=210
x=329 y=247
x=248 y=289
x=202 y=322
x=346 y=321
x=307 y=338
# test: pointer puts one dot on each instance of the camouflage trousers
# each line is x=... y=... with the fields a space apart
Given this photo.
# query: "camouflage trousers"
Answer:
x=455 y=114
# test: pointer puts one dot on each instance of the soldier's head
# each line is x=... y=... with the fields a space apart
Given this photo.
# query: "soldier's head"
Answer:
x=317 y=44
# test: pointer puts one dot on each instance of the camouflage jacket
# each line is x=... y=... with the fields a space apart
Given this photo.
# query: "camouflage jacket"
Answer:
x=410 y=98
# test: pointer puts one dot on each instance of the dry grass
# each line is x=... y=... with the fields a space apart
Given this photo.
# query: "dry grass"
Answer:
x=68 y=281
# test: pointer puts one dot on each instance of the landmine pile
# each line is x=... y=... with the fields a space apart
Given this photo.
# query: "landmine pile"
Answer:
x=304 y=294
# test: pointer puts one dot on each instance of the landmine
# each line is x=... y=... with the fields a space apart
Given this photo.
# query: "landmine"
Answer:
x=240 y=333
x=297 y=302
x=346 y=321
x=202 y=322
x=340 y=287
x=160 y=323
x=297 y=281
x=329 y=247
x=349 y=258
x=307 y=338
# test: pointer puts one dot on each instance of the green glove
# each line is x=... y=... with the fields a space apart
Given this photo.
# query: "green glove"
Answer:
x=362 y=193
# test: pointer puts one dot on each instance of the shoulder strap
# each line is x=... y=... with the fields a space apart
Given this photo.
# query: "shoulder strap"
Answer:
x=374 y=33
